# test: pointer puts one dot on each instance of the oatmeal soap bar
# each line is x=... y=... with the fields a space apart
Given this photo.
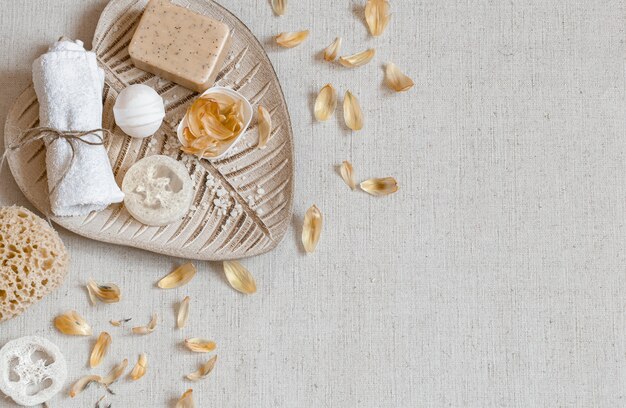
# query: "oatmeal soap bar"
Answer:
x=179 y=45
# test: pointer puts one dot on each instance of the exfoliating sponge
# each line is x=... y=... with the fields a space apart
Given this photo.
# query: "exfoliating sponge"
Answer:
x=33 y=260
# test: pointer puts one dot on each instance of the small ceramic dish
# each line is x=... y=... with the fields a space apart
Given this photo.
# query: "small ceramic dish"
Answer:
x=247 y=117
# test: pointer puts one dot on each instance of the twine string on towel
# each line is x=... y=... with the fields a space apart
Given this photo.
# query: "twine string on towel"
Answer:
x=32 y=135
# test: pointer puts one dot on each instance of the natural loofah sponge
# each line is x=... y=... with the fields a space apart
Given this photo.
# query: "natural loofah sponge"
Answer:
x=33 y=260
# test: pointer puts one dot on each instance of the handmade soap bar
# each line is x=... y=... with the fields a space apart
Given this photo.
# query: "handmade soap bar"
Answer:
x=180 y=45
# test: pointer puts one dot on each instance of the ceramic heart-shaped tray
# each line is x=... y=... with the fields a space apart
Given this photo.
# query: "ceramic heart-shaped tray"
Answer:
x=259 y=180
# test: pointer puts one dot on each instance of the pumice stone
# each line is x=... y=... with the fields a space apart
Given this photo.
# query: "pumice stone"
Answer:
x=158 y=190
x=32 y=370
x=139 y=111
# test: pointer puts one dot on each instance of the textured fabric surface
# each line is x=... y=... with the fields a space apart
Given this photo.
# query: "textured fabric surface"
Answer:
x=495 y=277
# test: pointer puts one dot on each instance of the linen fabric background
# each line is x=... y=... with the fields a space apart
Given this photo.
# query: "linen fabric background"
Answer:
x=495 y=277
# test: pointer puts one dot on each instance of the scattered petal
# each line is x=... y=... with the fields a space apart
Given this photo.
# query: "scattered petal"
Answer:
x=291 y=39
x=396 y=79
x=265 y=126
x=118 y=323
x=358 y=59
x=115 y=373
x=99 y=349
x=183 y=313
x=352 y=113
x=107 y=293
x=377 y=16
x=186 y=400
x=380 y=186
x=331 y=52
x=200 y=345
x=72 y=323
x=239 y=277
x=326 y=103
x=279 y=6
x=178 y=277
x=312 y=228
x=204 y=370
x=347 y=173
x=82 y=383
x=140 y=368
x=148 y=328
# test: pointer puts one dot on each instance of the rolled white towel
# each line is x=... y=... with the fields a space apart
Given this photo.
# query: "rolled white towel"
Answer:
x=69 y=85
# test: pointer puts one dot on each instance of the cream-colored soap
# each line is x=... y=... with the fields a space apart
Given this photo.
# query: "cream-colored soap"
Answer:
x=180 y=45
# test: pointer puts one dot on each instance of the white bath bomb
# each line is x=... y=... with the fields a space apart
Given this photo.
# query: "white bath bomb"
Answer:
x=139 y=111
x=32 y=370
x=157 y=190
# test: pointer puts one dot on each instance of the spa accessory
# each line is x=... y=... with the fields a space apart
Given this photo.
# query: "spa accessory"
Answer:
x=69 y=84
x=33 y=260
x=254 y=210
x=218 y=147
x=32 y=370
x=139 y=111
x=158 y=190
x=179 y=45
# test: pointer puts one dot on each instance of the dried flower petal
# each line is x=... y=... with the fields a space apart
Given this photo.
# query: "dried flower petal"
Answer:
x=377 y=16
x=99 y=349
x=326 y=103
x=178 y=277
x=291 y=39
x=107 y=293
x=312 y=228
x=239 y=277
x=204 y=370
x=396 y=79
x=265 y=126
x=352 y=113
x=279 y=6
x=115 y=373
x=82 y=383
x=183 y=313
x=118 y=323
x=331 y=52
x=200 y=345
x=358 y=59
x=73 y=324
x=347 y=173
x=186 y=400
x=140 y=368
x=146 y=329
x=380 y=186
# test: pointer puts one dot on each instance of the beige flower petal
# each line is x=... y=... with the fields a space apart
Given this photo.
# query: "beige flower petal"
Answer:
x=265 y=126
x=198 y=345
x=352 y=113
x=326 y=103
x=377 y=16
x=115 y=373
x=312 y=228
x=140 y=368
x=358 y=59
x=186 y=400
x=239 y=277
x=396 y=79
x=73 y=324
x=149 y=328
x=204 y=370
x=347 y=173
x=183 y=313
x=331 y=52
x=99 y=349
x=82 y=383
x=291 y=39
x=107 y=293
x=380 y=186
x=178 y=277
x=279 y=6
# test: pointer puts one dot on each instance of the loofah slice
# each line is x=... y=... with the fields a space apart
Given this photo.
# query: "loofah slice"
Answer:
x=33 y=260
x=32 y=370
